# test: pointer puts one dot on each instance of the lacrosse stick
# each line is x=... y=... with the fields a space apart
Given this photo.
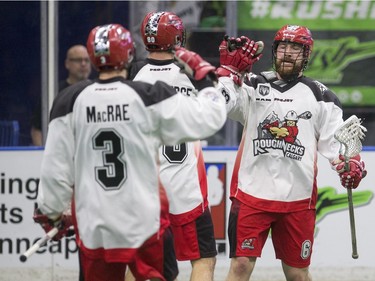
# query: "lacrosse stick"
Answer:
x=41 y=242
x=350 y=135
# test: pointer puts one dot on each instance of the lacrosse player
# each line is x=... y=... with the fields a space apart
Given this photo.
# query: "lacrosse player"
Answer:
x=288 y=118
x=182 y=169
x=102 y=148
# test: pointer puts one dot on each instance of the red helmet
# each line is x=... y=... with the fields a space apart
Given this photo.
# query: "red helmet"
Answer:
x=161 y=31
x=295 y=34
x=110 y=47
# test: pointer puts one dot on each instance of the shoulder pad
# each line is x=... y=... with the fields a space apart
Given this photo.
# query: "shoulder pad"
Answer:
x=269 y=75
x=263 y=77
x=320 y=86
x=321 y=91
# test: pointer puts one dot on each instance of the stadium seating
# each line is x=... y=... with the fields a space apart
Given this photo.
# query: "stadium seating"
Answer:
x=9 y=132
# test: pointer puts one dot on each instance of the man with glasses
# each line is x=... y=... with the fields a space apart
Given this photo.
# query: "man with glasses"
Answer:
x=77 y=63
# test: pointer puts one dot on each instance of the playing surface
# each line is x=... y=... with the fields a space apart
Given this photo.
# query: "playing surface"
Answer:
x=261 y=273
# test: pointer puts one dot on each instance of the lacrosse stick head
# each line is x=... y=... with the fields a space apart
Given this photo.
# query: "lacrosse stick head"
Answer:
x=350 y=136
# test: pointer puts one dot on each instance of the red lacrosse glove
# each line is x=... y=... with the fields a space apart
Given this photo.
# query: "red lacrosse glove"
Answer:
x=193 y=64
x=63 y=223
x=351 y=178
x=237 y=56
x=240 y=53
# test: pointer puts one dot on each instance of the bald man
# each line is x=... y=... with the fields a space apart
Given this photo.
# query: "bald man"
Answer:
x=77 y=62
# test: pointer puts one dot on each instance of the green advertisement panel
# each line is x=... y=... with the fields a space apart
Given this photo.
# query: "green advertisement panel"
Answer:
x=343 y=56
x=322 y=15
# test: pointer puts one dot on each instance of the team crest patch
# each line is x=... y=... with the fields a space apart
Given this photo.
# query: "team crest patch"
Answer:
x=248 y=244
x=281 y=134
x=264 y=90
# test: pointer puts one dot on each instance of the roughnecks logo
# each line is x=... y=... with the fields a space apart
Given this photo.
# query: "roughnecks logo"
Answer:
x=290 y=150
x=276 y=134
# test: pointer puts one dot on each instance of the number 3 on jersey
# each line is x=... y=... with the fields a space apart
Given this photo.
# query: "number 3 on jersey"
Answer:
x=175 y=154
x=113 y=172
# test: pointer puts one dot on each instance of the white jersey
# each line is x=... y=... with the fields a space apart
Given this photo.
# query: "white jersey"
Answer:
x=285 y=125
x=103 y=142
x=182 y=168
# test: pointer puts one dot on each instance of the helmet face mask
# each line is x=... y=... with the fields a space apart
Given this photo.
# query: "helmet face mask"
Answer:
x=162 y=31
x=295 y=36
x=110 y=47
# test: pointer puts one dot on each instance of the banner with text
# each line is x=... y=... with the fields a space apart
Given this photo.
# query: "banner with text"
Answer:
x=19 y=177
x=343 y=56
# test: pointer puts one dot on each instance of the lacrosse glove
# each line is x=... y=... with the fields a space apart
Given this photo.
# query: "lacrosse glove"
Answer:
x=63 y=223
x=194 y=65
x=237 y=56
x=356 y=171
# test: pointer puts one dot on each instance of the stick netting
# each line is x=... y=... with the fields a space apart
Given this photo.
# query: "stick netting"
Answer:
x=350 y=135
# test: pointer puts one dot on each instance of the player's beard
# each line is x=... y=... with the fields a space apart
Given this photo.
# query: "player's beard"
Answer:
x=288 y=69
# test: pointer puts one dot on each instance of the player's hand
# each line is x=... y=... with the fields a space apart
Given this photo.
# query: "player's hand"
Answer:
x=237 y=56
x=63 y=223
x=355 y=173
x=240 y=53
x=193 y=64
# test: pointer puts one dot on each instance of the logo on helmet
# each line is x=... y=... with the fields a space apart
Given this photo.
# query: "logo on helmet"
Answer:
x=110 y=46
x=161 y=31
x=101 y=41
x=151 y=28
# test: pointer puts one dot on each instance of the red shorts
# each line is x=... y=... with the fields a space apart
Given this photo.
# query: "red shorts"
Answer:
x=292 y=233
x=195 y=239
x=99 y=270
x=156 y=260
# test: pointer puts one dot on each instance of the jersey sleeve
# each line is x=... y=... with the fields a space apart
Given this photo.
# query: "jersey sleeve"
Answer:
x=57 y=168
x=330 y=118
x=237 y=99
x=192 y=118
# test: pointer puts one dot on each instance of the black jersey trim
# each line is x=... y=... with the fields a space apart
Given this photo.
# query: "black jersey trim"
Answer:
x=152 y=94
x=320 y=91
x=64 y=101
x=159 y=62
x=136 y=66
